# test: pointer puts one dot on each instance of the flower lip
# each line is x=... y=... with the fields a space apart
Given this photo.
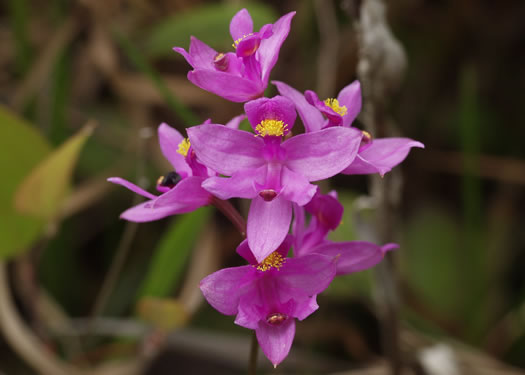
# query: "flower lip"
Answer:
x=220 y=62
x=276 y=319
x=184 y=147
x=334 y=105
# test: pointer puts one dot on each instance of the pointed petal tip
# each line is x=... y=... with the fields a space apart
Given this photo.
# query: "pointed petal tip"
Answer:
x=389 y=247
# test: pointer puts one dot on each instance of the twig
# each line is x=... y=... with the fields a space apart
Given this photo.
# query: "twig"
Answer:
x=22 y=339
x=254 y=349
x=231 y=213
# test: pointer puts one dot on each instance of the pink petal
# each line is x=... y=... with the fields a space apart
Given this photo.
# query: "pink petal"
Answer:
x=223 y=288
x=354 y=256
x=241 y=24
x=296 y=187
x=240 y=185
x=324 y=153
x=169 y=140
x=350 y=97
x=268 y=51
x=200 y=56
x=147 y=211
x=311 y=273
x=229 y=86
x=226 y=150
x=268 y=225
x=312 y=119
x=188 y=191
x=132 y=187
x=276 y=341
x=381 y=156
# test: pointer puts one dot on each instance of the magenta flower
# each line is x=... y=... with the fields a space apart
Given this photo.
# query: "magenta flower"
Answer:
x=326 y=211
x=181 y=189
x=271 y=172
x=243 y=75
x=268 y=296
x=375 y=155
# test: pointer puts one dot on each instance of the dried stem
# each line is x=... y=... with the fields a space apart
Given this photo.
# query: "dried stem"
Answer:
x=254 y=349
x=381 y=65
x=231 y=213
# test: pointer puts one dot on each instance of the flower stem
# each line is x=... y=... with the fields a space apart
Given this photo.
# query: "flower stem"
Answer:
x=252 y=365
x=231 y=213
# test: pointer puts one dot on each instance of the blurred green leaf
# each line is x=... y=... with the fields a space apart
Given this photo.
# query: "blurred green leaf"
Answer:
x=42 y=192
x=172 y=253
x=431 y=261
x=209 y=23
x=165 y=314
x=21 y=148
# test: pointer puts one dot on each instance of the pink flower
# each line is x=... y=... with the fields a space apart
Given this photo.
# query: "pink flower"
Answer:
x=243 y=75
x=375 y=155
x=181 y=189
x=268 y=296
x=271 y=172
x=326 y=212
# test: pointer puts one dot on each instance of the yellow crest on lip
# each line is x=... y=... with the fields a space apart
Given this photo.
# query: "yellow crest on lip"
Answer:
x=184 y=147
x=334 y=104
x=236 y=42
x=274 y=260
x=271 y=127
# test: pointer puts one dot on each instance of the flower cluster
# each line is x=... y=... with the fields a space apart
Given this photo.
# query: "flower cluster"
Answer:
x=289 y=258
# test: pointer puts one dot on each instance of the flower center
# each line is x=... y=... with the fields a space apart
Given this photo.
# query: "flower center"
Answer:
x=276 y=319
x=274 y=260
x=236 y=42
x=271 y=127
x=334 y=104
x=184 y=147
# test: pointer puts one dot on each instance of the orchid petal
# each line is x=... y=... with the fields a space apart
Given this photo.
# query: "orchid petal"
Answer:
x=350 y=97
x=241 y=25
x=312 y=118
x=354 y=256
x=187 y=191
x=296 y=187
x=223 y=288
x=226 y=150
x=169 y=140
x=298 y=227
x=381 y=156
x=324 y=153
x=268 y=51
x=131 y=186
x=268 y=224
x=327 y=210
x=200 y=55
x=311 y=273
x=334 y=117
x=227 y=85
x=240 y=185
x=276 y=341
x=148 y=211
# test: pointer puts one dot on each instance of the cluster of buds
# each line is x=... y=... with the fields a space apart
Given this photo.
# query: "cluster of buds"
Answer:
x=289 y=258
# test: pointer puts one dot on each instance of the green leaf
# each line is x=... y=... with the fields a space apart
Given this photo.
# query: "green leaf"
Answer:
x=209 y=23
x=172 y=252
x=43 y=191
x=21 y=148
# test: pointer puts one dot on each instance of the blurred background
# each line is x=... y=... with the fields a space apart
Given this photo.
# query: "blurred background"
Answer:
x=84 y=85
